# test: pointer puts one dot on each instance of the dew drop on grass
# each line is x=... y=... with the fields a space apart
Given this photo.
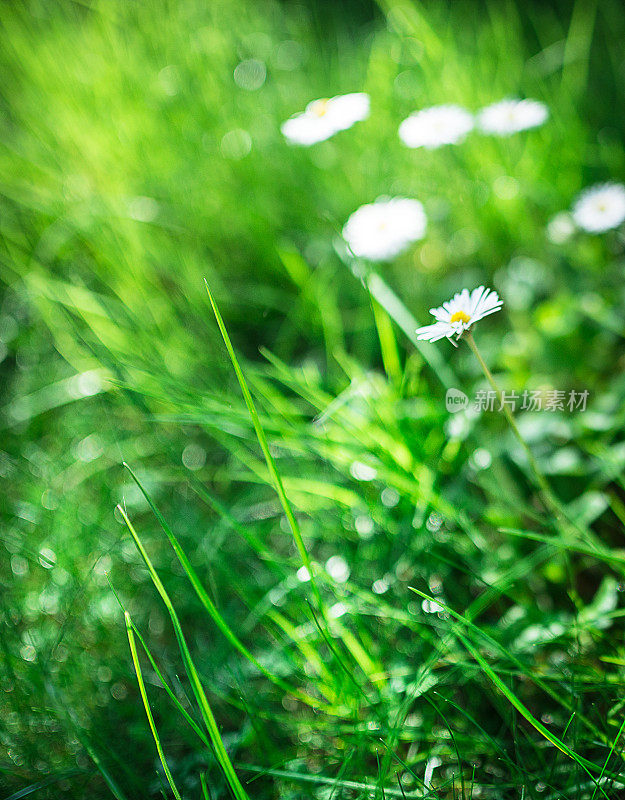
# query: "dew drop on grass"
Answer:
x=289 y=703
x=235 y=144
x=338 y=568
x=104 y=674
x=103 y=565
x=28 y=652
x=250 y=74
x=49 y=500
x=89 y=448
x=143 y=209
x=506 y=187
x=303 y=574
x=193 y=457
x=8 y=328
x=289 y=55
x=86 y=384
x=434 y=522
x=560 y=228
x=390 y=497
x=481 y=459
x=19 y=565
x=363 y=472
x=119 y=691
x=276 y=596
x=49 y=601
x=364 y=526
x=337 y=610
x=169 y=80
x=47 y=557
x=431 y=607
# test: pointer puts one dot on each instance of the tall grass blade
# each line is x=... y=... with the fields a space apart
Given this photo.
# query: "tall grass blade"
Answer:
x=198 y=690
x=397 y=311
x=584 y=763
x=264 y=445
x=148 y=710
x=208 y=604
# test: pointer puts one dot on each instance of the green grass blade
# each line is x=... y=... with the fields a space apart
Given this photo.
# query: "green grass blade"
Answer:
x=397 y=311
x=198 y=690
x=388 y=343
x=208 y=604
x=191 y=722
x=467 y=620
x=206 y=792
x=248 y=535
x=264 y=445
x=615 y=560
x=508 y=694
x=609 y=756
x=322 y=780
x=584 y=763
x=146 y=705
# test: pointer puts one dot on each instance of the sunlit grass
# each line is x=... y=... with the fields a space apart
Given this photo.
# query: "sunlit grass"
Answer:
x=358 y=594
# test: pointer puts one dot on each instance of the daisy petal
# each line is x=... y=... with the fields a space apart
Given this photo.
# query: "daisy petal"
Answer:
x=460 y=313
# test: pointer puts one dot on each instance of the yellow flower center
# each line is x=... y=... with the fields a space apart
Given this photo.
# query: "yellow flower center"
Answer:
x=320 y=107
x=459 y=316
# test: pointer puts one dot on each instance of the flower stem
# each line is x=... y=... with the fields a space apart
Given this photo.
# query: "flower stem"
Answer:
x=549 y=499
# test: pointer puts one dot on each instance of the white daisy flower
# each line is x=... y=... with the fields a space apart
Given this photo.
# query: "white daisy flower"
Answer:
x=325 y=117
x=436 y=126
x=512 y=116
x=600 y=208
x=381 y=230
x=457 y=315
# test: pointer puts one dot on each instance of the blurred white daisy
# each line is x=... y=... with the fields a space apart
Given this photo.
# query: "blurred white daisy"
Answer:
x=381 y=230
x=325 y=117
x=512 y=116
x=560 y=228
x=457 y=315
x=436 y=126
x=600 y=208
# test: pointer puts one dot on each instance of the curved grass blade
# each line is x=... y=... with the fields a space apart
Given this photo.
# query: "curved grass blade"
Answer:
x=386 y=297
x=525 y=712
x=146 y=705
x=192 y=723
x=208 y=604
x=609 y=756
x=221 y=753
x=584 y=763
x=189 y=719
x=35 y=787
x=250 y=537
x=483 y=601
x=264 y=446
x=206 y=792
x=322 y=780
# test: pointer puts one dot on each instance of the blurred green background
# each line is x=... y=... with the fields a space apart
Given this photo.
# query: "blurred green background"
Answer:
x=141 y=154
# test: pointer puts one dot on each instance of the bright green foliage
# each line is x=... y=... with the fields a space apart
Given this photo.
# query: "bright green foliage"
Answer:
x=334 y=587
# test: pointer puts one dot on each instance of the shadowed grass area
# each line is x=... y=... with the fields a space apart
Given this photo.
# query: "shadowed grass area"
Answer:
x=358 y=593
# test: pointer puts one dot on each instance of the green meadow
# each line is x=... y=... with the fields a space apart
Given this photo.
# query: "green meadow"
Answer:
x=249 y=549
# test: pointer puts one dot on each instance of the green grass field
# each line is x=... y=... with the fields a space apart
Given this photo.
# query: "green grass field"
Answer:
x=246 y=549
